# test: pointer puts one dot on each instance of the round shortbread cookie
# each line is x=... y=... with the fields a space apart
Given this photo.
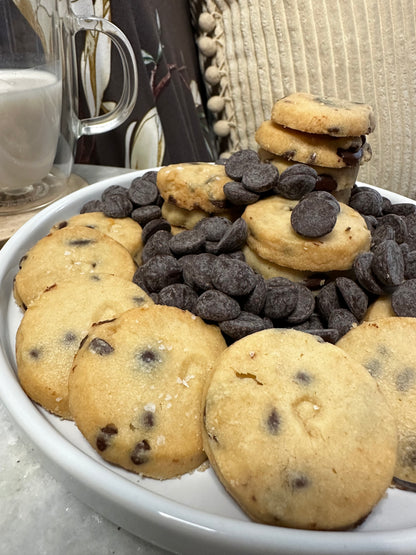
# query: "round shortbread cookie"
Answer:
x=54 y=325
x=380 y=308
x=270 y=270
x=329 y=179
x=135 y=390
x=324 y=115
x=298 y=432
x=69 y=251
x=308 y=148
x=187 y=219
x=387 y=348
x=194 y=186
x=124 y=230
x=271 y=236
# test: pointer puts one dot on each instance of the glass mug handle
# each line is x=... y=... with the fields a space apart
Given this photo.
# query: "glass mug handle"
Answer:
x=124 y=107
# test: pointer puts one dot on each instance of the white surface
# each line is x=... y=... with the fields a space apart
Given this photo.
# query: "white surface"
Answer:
x=188 y=515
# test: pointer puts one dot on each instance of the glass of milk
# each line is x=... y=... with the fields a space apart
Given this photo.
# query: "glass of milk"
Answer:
x=39 y=124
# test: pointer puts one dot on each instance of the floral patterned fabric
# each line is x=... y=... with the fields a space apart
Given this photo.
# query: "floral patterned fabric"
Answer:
x=168 y=123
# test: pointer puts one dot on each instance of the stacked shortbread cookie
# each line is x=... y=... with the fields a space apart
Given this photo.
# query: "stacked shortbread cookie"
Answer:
x=324 y=132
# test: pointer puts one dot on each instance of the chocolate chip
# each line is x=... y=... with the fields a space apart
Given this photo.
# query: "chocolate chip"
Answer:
x=216 y=306
x=398 y=224
x=254 y=301
x=154 y=225
x=138 y=301
x=296 y=181
x=246 y=323
x=374 y=367
x=80 y=242
x=117 y=206
x=140 y=453
x=325 y=182
x=403 y=299
x=364 y=275
x=405 y=379
x=158 y=243
x=239 y=162
x=148 y=419
x=213 y=228
x=142 y=192
x=159 y=272
x=190 y=241
x=92 y=206
x=260 y=178
x=105 y=435
x=299 y=481
x=388 y=263
x=327 y=300
x=234 y=238
x=232 y=276
x=314 y=215
x=409 y=264
x=238 y=195
x=35 y=353
x=329 y=335
x=145 y=214
x=353 y=296
x=273 y=422
x=70 y=338
x=407 y=450
x=197 y=270
x=342 y=320
x=281 y=298
x=367 y=201
x=402 y=208
x=114 y=190
x=100 y=347
x=305 y=305
x=179 y=295
x=303 y=378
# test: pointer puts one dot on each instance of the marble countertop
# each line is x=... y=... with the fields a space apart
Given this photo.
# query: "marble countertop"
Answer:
x=38 y=516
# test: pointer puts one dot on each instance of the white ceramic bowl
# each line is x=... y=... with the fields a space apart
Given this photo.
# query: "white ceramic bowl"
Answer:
x=189 y=515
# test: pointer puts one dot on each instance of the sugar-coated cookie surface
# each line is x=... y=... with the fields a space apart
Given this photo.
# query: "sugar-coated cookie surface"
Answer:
x=324 y=114
x=135 y=390
x=69 y=251
x=271 y=236
x=54 y=325
x=124 y=230
x=298 y=432
x=194 y=185
x=387 y=348
x=308 y=148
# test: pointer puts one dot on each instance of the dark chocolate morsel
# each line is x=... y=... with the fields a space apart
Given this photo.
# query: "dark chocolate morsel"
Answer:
x=140 y=453
x=239 y=162
x=403 y=299
x=314 y=216
x=100 y=347
x=216 y=306
x=296 y=181
x=238 y=195
x=260 y=178
x=388 y=263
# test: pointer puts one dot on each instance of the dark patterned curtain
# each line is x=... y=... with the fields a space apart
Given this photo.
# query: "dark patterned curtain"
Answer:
x=169 y=123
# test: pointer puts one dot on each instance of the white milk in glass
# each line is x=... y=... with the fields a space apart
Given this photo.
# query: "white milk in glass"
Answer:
x=30 y=113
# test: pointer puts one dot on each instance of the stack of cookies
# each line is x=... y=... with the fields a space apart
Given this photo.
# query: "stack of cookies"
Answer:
x=326 y=133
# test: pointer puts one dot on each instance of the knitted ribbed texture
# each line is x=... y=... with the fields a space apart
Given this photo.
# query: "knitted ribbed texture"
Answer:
x=362 y=50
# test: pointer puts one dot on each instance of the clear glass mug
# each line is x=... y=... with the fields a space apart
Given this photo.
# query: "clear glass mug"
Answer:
x=39 y=125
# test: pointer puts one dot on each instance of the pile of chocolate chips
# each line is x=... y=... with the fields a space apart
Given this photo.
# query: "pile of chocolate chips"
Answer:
x=203 y=270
